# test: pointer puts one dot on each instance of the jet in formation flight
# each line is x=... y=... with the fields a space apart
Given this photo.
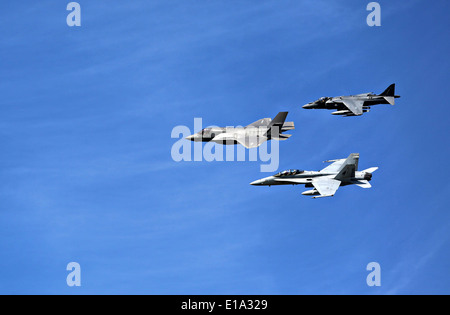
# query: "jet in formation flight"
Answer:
x=251 y=136
x=354 y=105
x=326 y=182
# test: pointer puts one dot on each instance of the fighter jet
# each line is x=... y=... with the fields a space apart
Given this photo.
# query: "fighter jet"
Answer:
x=325 y=182
x=251 y=136
x=354 y=105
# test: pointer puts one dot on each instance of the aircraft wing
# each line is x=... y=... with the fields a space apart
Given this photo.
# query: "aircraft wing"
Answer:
x=355 y=106
x=251 y=142
x=326 y=186
x=340 y=166
x=248 y=142
x=335 y=167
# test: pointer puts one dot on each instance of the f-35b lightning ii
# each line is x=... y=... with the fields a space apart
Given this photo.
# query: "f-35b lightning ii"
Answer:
x=325 y=182
x=251 y=136
x=354 y=105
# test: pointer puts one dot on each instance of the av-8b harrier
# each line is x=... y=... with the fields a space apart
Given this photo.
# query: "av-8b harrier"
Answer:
x=251 y=136
x=325 y=182
x=354 y=105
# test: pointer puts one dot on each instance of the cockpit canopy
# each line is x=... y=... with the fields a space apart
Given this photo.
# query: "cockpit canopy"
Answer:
x=289 y=173
x=323 y=99
x=206 y=131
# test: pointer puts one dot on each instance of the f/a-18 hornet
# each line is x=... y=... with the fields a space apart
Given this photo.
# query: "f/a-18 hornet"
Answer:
x=251 y=136
x=325 y=182
x=354 y=105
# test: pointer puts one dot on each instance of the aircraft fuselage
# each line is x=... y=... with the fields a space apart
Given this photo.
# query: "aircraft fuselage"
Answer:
x=306 y=178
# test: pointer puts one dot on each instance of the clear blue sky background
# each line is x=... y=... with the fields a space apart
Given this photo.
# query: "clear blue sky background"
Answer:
x=86 y=172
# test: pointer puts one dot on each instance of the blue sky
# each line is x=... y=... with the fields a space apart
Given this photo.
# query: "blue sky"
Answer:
x=87 y=176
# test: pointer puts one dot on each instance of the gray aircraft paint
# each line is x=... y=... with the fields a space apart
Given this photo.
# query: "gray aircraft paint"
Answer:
x=354 y=105
x=342 y=172
x=251 y=136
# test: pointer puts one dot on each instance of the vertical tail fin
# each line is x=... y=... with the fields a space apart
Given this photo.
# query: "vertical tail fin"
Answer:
x=353 y=159
x=348 y=168
x=279 y=119
x=275 y=127
x=390 y=91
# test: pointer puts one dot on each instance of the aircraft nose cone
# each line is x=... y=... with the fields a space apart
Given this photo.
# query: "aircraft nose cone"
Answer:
x=307 y=106
x=192 y=137
x=257 y=182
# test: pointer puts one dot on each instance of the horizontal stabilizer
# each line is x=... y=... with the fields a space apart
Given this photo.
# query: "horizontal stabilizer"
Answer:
x=282 y=137
x=390 y=99
x=370 y=170
x=288 y=125
x=362 y=183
